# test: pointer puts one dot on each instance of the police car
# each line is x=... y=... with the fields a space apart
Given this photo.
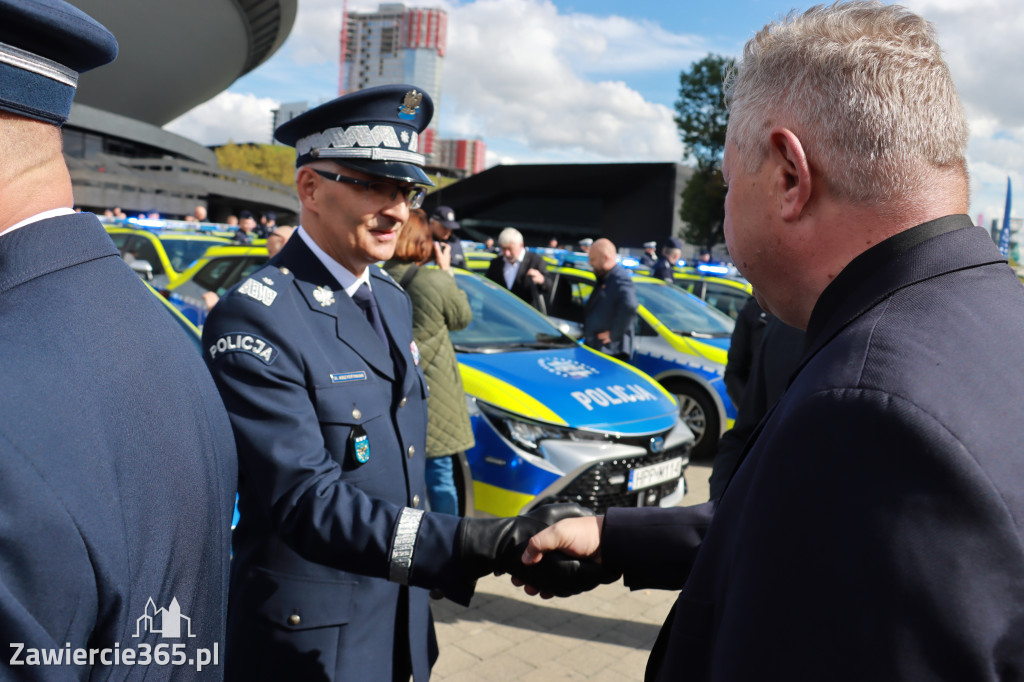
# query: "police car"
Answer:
x=725 y=293
x=555 y=421
x=681 y=341
x=160 y=255
x=219 y=269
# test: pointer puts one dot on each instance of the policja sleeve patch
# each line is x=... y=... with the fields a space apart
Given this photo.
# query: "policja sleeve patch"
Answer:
x=240 y=342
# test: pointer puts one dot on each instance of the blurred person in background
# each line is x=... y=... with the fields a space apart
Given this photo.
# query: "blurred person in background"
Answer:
x=610 y=313
x=438 y=307
x=278 y=238
x=445 y=229
x=664 y=269
x=522 y=272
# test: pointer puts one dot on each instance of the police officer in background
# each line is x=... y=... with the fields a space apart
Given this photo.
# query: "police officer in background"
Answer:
x=650 y=255
x=671 y=252
x=315 y=360
x=115 y=494
x=445 y=229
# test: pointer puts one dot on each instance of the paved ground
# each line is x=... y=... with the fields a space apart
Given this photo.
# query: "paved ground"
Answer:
x=605 y=634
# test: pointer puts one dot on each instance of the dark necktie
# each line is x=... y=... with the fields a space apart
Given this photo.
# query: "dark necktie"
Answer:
x=368 y=304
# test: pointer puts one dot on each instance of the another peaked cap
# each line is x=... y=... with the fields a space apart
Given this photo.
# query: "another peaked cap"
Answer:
x=44 y=45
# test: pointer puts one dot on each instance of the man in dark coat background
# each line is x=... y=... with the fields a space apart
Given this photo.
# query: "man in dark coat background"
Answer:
x=522 y=272
x=873 y=528
x=610 y=315
x=117 y=466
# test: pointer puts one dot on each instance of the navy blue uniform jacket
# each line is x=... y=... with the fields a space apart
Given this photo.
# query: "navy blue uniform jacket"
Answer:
x=874 y=529
x=117 y=468
x=612 y=308
x=301 y=370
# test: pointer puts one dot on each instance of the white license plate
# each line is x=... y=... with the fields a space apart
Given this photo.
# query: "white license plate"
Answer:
x=645 y=477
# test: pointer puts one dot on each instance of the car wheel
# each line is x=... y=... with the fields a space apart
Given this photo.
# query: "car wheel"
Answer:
x=698 y=412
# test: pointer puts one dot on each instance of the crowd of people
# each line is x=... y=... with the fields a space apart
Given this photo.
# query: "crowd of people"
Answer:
x=868 y=528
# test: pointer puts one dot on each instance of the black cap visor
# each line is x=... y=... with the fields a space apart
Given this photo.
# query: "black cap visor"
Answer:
x=393 y=170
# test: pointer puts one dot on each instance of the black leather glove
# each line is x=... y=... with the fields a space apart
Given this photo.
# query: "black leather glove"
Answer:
x=561 y=575
x=497 y=545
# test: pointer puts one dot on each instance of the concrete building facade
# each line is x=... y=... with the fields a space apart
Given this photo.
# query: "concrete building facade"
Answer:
x=172 y=57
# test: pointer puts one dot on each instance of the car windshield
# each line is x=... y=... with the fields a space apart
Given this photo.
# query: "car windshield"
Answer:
x=183 y=252
x=683 y=313
x=502 y=321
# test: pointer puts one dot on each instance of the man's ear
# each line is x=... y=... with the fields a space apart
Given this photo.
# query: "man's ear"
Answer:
x=306 y=184
x=793 y=173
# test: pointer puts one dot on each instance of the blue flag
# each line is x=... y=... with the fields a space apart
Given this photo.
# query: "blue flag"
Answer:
x=1004 y=237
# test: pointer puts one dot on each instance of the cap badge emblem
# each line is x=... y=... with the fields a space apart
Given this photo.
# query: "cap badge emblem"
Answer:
x=410 y=105
x=323 y=296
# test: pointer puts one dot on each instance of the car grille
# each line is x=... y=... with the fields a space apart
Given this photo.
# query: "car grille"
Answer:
x=592 y=489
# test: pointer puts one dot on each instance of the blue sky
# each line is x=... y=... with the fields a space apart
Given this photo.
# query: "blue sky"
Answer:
x=595 y=80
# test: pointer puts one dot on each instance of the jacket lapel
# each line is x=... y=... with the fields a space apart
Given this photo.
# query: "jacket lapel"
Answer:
x=389 y=303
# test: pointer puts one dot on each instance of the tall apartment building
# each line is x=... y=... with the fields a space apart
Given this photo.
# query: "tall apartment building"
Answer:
x=285 y=112
x=394 y=45
x=466 y=157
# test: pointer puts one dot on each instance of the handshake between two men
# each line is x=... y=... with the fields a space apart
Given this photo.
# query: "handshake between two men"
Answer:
x=547 y=559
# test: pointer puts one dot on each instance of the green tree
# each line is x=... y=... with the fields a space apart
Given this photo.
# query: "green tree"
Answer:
x=701 y=117
x=270 y=161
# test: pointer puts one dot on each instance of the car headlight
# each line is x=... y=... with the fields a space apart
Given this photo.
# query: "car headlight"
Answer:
x=528 y=433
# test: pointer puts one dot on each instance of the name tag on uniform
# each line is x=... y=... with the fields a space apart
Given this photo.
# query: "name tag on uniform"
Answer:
x=345 y=377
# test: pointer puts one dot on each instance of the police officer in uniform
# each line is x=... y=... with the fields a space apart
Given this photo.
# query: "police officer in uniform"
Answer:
x=115 y=494
x=315 y=359
x=650 y=255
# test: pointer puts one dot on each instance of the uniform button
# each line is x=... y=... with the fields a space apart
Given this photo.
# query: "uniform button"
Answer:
x=402 y=404
x=356 y=414
x=412 y=450
x=284 y=271
x=294 y=619
x=415 y=500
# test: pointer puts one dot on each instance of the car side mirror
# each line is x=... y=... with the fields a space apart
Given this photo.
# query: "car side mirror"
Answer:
x=143 y=268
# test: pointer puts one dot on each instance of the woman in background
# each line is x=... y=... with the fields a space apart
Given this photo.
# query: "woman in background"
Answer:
x=438 y=306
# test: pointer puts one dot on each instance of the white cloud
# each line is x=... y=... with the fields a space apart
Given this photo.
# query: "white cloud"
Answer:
x=228 y=117
x=981 y=44
x=515 y=69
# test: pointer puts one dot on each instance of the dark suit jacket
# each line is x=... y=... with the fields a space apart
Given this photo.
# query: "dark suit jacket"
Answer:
x=612 y=308
x=874 y=529
x=302 y=374
x=117 y=467
x=522 y=286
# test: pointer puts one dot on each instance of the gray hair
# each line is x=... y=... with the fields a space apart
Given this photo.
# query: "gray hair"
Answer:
x=510 y=235
x=864 y=87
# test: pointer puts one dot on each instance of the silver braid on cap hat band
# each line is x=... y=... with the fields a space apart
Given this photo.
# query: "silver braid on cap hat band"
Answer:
x=27 y=61
x=375 y=154
x=400 y=564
